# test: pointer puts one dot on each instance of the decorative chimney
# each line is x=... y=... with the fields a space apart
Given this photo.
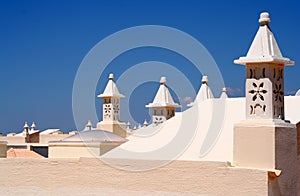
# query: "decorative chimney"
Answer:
x=33 y=126
x=204 y=92
x=111 y=101
x=264 y=74
x=26 y=132
x=89 y=125
x=145 y=124
x=264 y=140
x=128 y=125
x=163 y=106
x=111 y=109
x=224 y=94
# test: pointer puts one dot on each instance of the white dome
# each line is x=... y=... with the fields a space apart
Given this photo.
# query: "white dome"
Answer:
x=95 y=136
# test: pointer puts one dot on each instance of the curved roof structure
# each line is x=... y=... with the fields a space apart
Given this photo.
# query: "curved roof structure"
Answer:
x=95 y=136
x=297 y=93
x=143 y=143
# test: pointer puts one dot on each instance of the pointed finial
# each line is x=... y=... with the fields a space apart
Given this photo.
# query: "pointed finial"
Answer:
x=89 y=125
x=204 y=79
x=33 y=126
x=26 y=132
x=163 y=80
x=26 y=126
x=264 y=18
x=128 y=125
x=224 y=93
x=145 y=123
x=111 y=76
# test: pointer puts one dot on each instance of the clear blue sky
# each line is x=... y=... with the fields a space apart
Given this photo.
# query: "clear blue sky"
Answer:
x=42 y=44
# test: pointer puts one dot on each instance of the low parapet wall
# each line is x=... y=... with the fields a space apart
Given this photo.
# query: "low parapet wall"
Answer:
x=90 y=175
x=13 y=139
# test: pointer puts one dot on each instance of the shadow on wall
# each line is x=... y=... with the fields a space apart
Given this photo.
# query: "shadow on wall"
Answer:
x=298 y=141
x=298 y=154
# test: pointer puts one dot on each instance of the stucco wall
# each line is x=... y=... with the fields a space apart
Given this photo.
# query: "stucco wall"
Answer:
x=72 y=150
x=269 y=145
x=78 y=149
x=13 y=139
x=90 y=176
x=44 y=139
x=118 y=128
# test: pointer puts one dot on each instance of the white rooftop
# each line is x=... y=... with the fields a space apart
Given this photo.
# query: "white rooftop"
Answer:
x=111 y=89
x=145 y=141
x=264 y=47
x=29 y=131
x=204 y=132
x=50 y=131
x=94 y=135
x=163 y=96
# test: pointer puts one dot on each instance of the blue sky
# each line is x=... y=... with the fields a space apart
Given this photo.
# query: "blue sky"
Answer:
x=42 y=44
